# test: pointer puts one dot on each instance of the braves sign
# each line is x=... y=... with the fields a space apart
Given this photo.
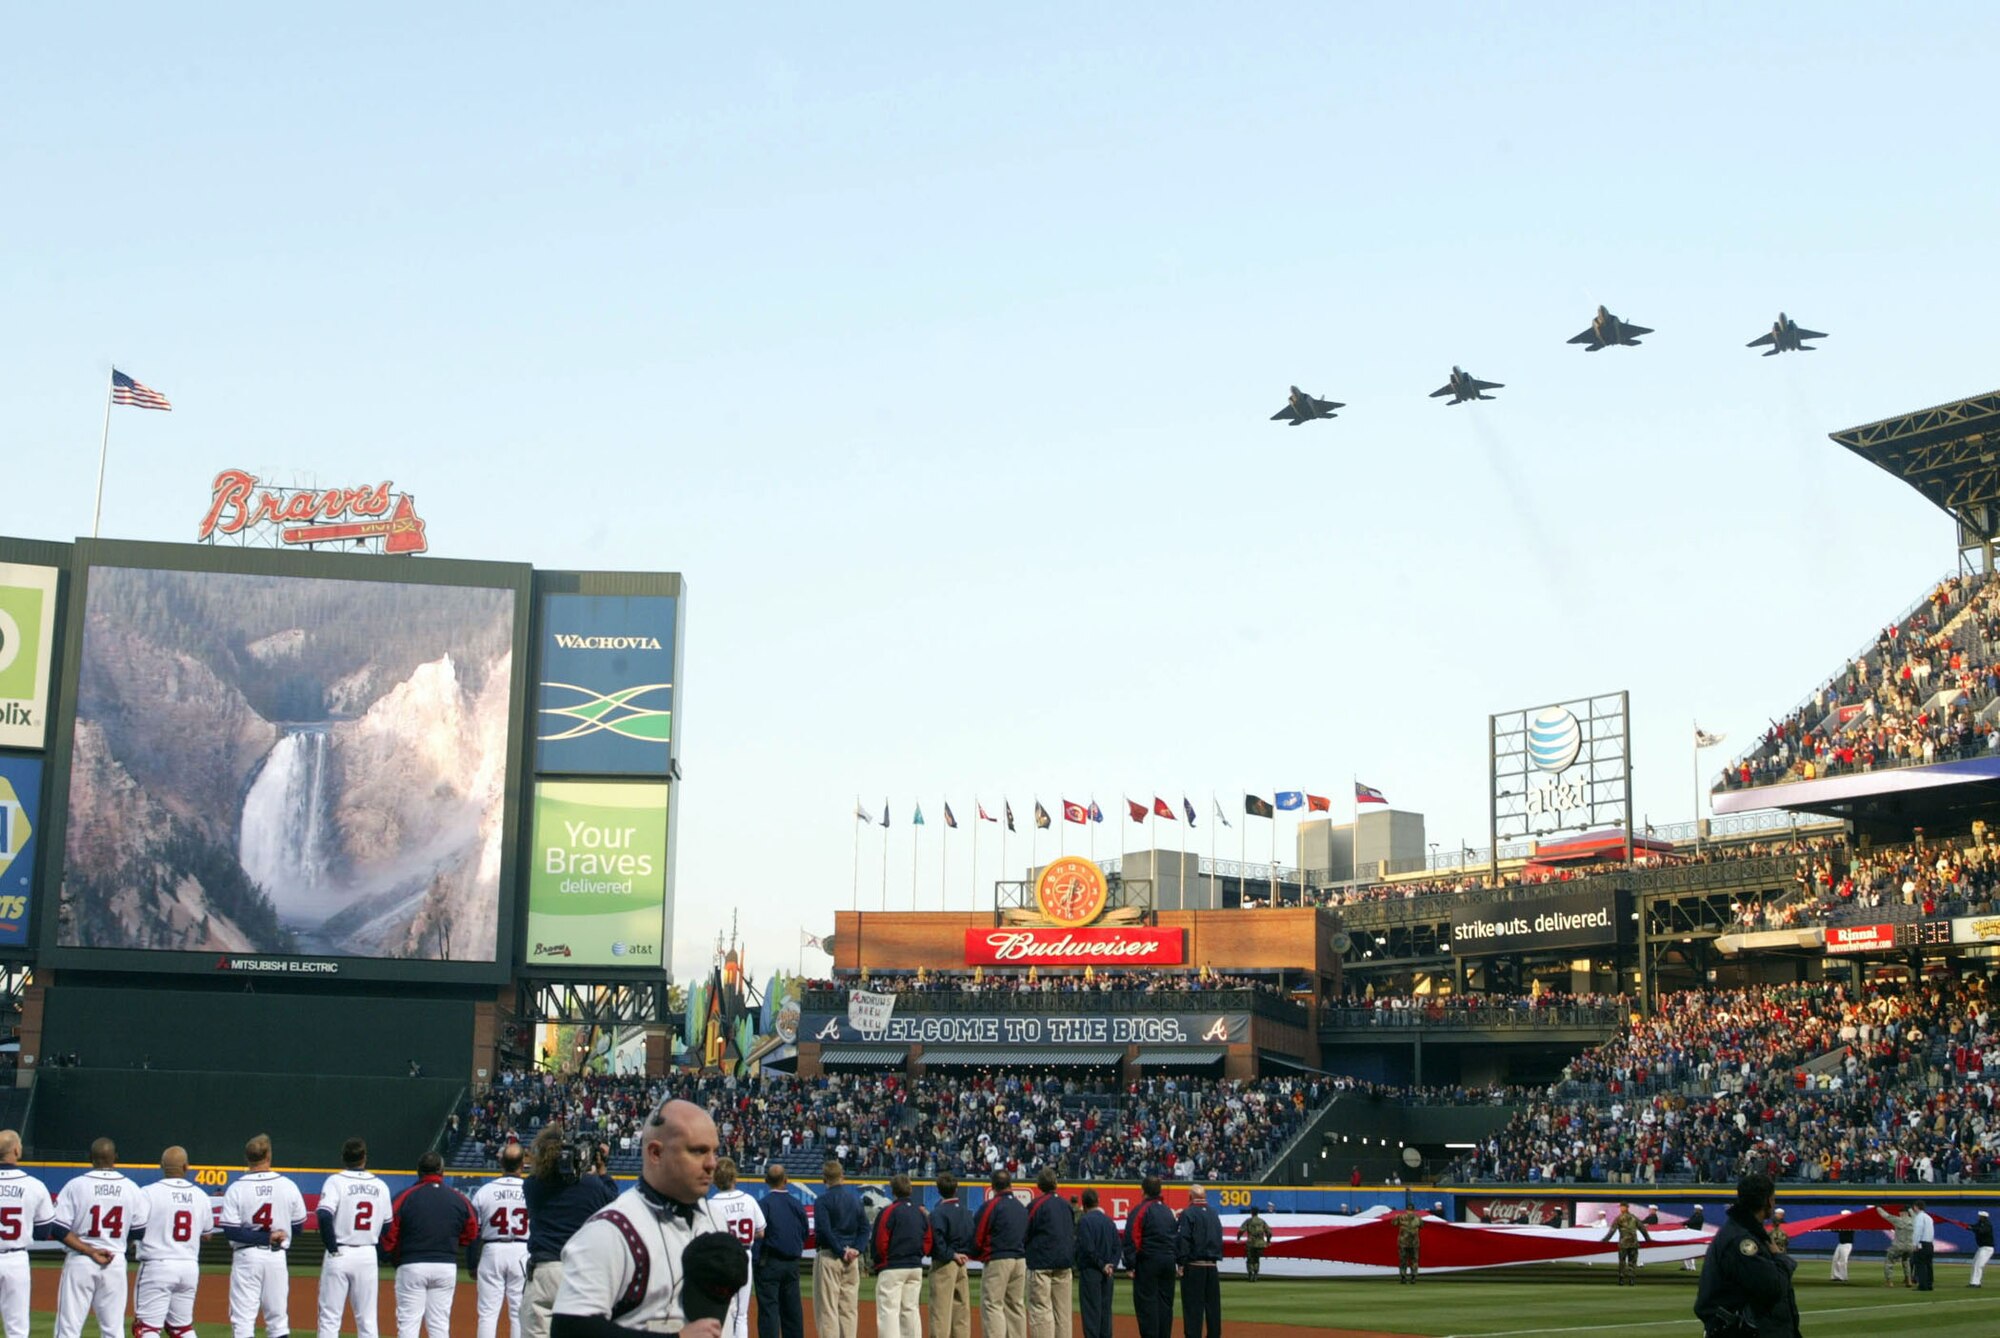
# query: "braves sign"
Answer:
x=1075 y=947
x=308 y=516
x=1036 y=1029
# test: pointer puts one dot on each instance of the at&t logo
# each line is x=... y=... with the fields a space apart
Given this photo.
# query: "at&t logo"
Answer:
x=1555 y=738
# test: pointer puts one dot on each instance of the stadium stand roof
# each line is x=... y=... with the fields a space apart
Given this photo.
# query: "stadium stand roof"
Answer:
x=1950 y=453
x=1180 y=1056
x=1022 y=1056
x=865 y=1056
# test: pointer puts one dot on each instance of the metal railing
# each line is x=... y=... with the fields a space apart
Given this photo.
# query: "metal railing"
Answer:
x=1484 y=1019
x=1258 y=1003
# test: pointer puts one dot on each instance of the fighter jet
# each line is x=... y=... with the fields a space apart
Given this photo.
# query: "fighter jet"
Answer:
x=1301 y=408
x=1606 y=329
x=1463 y=387
x=1786 y=337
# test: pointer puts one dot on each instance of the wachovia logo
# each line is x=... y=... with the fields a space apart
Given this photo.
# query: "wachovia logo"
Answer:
x=622 y=712
x=1555 y=737
x=571 y=641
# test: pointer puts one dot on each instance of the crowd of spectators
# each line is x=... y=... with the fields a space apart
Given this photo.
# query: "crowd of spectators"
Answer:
x=1916 y=696
x=879 y=1124
x=1196 y=981
x=1812 y=1082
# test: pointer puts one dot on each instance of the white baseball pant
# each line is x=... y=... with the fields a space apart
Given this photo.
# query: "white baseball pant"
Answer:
x=423 y=1299
x=503 y=1279
x=258 y=1281
x=1841 y=1254
x=86 y=1289
x=1979 y=1258
x=14 y=1279
x=163 y=1296
x=348 y=1278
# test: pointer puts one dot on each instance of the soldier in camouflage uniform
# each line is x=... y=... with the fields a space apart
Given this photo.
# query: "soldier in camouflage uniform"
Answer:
x=1902 y=1248
x=1255 y=1233
x=1409 y=1227
x=1780 y=1242
x=1628 y=1229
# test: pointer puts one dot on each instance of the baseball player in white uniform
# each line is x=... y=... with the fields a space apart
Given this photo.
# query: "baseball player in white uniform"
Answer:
x=24 y=1206
x=354 y=1207
x=742 y=1217
x=502 y=1208
x=96 y=1214
x=178 y=1214
x=262 y=1213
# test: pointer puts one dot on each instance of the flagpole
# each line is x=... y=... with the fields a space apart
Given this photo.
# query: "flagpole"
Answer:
x=857 y=854
x=1696 y=750
x=103 y=450
x=944 y=862
x=1215 y=883
x=1004 y=824
x=1091 y=814
x=1183 y=886
x=1274 y=850
x=915 y=853
x=885 y=854
x=977 y=811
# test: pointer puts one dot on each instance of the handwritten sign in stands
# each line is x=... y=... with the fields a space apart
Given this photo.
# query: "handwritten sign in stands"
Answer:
x=869 y=1012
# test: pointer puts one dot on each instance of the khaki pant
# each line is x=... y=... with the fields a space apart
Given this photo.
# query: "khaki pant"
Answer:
x=540 y=1305
x=1049 y=1303
x=951 y=1302
x=1003 y=1299
x=898 y=1311
x=836 y=1296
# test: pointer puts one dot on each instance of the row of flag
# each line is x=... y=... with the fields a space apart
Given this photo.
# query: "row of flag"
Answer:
x=1256 y=806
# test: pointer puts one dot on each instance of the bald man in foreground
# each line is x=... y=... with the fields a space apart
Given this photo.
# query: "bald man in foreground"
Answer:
x=178 y=1214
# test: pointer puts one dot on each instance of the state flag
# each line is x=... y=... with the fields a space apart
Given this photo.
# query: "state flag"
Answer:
x=1291 y=799
x=885 y=811
x=1163 y=808
x=1368 y=794
x=918 y=821
x=1042 y=819
x=1318 y=803
x=1137 y=810
x=1704 y=739
x=1076 y=813
x=1007 y=806
x=1220 y=816
x=1096 y=813
x=863 y=815
x=1257 y=807
x=984 y=816
x=949 y=820
x=1187 y=808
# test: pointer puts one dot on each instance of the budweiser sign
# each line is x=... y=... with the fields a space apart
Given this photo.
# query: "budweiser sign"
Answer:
x=1860 y=938
x=310 y=516
x=1075 y=947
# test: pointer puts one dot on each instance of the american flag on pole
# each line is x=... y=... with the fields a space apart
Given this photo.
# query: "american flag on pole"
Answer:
x=124 y=390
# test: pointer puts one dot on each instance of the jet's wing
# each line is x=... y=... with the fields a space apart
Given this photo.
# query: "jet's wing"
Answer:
x=1587 y=337
x=1444 y=389
x=1327 y=406
x=1285 y=414
x=1766 y=338
x=1488 y=385
x=1634 y=331
x=1811 y=334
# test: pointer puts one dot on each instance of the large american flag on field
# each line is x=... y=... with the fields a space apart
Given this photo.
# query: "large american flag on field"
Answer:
x=124 y=390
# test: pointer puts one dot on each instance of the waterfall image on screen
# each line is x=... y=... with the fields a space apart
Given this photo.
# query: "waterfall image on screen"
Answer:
x=293 y=765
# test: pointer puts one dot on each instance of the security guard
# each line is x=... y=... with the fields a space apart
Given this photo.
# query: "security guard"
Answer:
x=1743 y=1281
x=779 y=1313
x=1198 y=1251
x=1255 y=1233
x=1409 y=1232
x=1096 y=1267
x=1628 y=1228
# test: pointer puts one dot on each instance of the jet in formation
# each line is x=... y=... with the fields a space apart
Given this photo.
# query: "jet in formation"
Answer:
x=1606 y=330
x=1785 y=337
x=1463 y=386
x=1303 y=408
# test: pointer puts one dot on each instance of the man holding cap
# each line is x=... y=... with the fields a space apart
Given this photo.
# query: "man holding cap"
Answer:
x=656 y=1259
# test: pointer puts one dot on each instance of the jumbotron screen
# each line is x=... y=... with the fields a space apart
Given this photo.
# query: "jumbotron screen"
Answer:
x=290 y=766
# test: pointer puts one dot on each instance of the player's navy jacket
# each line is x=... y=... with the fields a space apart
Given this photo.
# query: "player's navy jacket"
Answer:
x=556 y=1212
x=1096 y=1241
x=1199 y=1235
x=1149 y=1233
x=785 y=1227
x=1051 y=1239
x=1002 y=1229
x=838 y=1222
x=951 y=1232
x=902 y=1236
x=431 y=1221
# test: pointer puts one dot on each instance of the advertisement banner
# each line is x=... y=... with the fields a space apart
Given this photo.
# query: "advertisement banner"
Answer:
x=27 y=632
x=20 y=803
x=1579 y=920
x=597 y=876
x=1037 y=1029
x=1076 y=947
x=1976 y=929
x=605 y=685
x=1517 y=1212
x=1860 y=938
x=868 y=1011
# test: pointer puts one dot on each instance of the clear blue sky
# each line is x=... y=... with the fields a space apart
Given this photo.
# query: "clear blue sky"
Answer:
x=937 y=348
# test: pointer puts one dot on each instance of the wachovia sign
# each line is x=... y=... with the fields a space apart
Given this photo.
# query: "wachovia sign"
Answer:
x=1135 y=946
x=371 y=514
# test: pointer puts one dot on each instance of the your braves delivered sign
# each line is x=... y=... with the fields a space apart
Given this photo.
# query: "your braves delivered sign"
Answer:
x=1135 y=946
